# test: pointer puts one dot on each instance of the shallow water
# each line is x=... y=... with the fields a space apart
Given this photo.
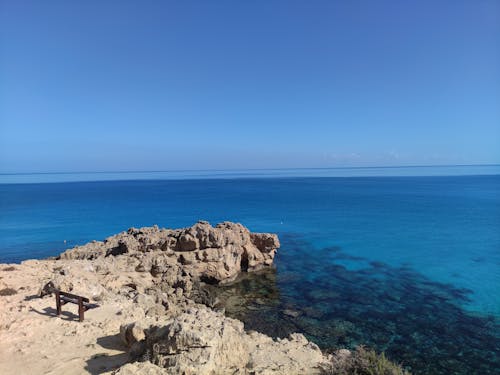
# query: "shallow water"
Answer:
x=414 y=320
x=393 y=262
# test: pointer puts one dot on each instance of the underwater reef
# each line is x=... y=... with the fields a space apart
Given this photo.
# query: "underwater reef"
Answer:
x=415 y=321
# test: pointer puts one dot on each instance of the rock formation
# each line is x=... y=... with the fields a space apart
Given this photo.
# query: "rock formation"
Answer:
x=152 y=288
x=202 y=341
x=162 y=269
x=211 y=254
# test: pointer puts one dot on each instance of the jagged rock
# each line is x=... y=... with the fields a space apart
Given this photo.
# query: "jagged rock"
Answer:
x=158 y=276
x=63 y=282
x=155 y=310
x=145 y=301
x=47 y=289
x=132 y=333
x=92 y=250
x=265 y=242
x=199 y=342
x=186 y=242
x=140 y=368
x=212 y=254
x=292 y=355
x=202 y=341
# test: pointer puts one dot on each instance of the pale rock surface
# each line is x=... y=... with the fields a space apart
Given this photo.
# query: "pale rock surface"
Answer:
x=202 y=341
x=213 y=254
x=198 y=341
x=140 y=368
x=147 y=283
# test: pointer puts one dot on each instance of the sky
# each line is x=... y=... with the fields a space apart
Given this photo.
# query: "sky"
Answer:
x=170 y=85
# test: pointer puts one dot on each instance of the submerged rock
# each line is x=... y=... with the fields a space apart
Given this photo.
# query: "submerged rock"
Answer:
x=155 y=307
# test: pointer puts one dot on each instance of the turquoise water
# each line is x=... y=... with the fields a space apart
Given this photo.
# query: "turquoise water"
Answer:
x=409 y=265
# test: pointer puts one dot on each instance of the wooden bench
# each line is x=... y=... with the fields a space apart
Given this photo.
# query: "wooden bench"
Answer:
x=63 y=298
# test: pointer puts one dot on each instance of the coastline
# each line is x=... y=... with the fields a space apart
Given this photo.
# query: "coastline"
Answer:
x=151 y=313
x=34 y=340
x=347 y=267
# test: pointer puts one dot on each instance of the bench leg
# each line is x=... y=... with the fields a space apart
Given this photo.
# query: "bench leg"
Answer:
x=80 y=309
x=58 y=302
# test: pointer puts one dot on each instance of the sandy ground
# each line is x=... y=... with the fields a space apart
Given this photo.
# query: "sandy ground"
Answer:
x=34 y=340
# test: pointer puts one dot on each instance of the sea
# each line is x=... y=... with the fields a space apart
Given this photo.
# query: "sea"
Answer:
x=402 y=260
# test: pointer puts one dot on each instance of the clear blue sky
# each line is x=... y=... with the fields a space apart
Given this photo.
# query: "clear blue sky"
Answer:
x=158 y=85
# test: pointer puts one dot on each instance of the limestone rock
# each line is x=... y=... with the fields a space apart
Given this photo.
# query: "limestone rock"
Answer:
x=211 y=254
x=131 y=333
x=293 y=355
x=202 y=341
x=156 y=279
x=199 y=341
x=140 y=368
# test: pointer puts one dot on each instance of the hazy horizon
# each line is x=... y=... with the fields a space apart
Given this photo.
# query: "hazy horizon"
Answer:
x=250 y=169
x=234 y=174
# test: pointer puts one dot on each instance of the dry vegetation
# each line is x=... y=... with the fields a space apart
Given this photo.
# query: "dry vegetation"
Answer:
x=364 y=362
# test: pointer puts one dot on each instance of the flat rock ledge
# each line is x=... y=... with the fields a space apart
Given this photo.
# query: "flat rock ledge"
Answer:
x=155 y=315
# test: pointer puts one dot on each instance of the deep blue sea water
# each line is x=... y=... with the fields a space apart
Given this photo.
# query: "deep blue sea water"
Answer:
x=407 y=264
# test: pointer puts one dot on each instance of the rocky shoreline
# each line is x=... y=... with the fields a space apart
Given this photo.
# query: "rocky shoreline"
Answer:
x=155 y=313
x=153 y=308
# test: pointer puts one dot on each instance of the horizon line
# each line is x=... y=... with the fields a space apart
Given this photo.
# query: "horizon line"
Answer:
x=254 y=169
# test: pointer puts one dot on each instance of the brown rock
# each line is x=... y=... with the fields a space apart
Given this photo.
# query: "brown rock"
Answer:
x=213 y=254
x=132 y=333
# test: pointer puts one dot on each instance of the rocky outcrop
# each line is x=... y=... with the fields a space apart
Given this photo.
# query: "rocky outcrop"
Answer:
x=155 y=309
x=211 y=254
x=202 y=341
x=198 y=342
x=163 y=269
x=157 y=283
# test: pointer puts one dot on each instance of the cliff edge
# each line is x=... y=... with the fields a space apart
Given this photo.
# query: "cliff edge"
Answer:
x=154 y=314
